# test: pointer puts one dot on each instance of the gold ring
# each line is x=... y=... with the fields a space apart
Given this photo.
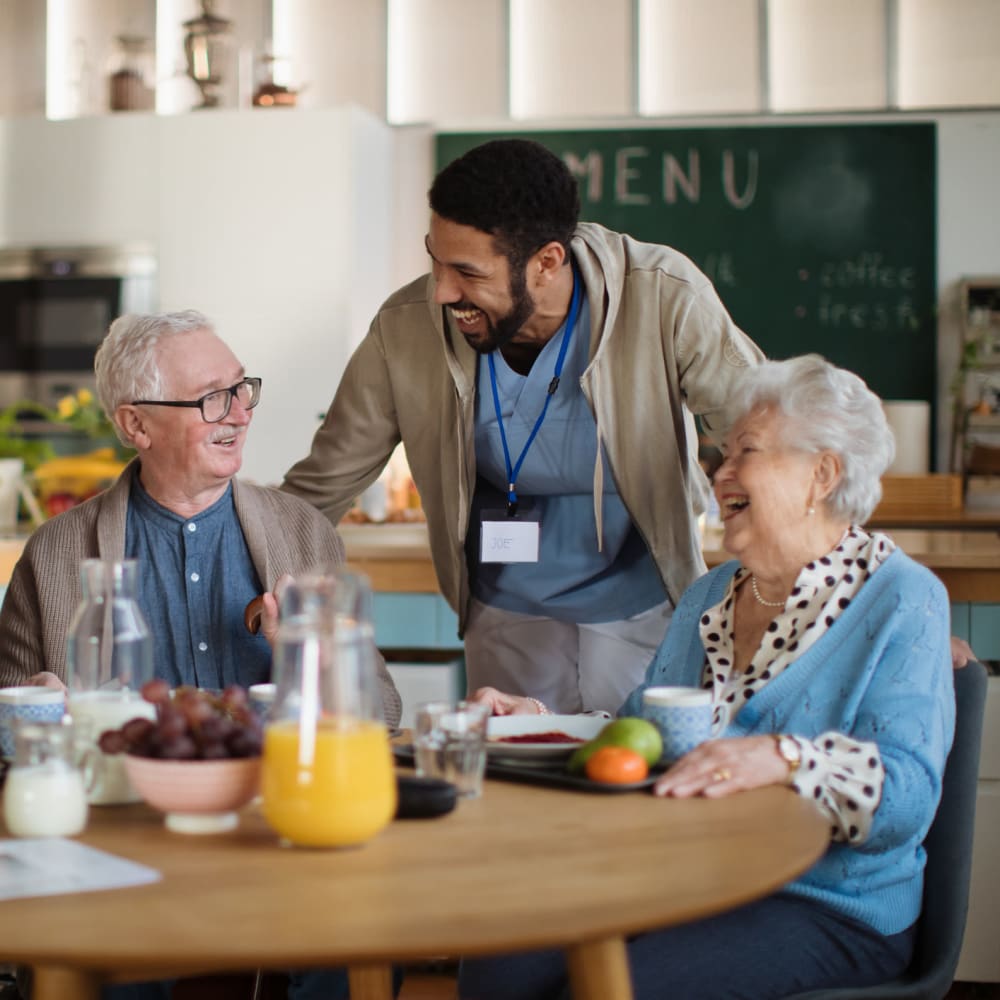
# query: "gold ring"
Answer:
x=723 y=774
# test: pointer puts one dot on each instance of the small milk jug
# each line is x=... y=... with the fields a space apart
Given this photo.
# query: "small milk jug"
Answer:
x=45 y=793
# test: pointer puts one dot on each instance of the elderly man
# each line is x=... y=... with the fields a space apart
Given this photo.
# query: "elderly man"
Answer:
x=206 y=543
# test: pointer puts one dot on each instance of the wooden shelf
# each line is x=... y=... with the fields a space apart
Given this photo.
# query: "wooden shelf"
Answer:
x=979 y=305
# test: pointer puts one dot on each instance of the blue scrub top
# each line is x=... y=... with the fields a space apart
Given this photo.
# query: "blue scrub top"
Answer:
x=572 y=580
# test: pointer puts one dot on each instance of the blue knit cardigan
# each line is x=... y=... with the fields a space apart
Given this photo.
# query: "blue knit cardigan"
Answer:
x=882 y=673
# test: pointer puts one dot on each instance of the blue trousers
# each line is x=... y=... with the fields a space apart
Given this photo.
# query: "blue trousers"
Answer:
x=765 y=950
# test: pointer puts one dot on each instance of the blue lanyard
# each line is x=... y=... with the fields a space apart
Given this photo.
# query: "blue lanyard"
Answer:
x=512 y=472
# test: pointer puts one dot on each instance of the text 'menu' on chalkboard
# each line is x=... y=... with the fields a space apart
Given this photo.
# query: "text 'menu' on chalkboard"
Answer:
x=818 y=238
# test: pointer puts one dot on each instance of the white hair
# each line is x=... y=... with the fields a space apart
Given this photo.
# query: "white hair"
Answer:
x=126 y=363
x=826 y=408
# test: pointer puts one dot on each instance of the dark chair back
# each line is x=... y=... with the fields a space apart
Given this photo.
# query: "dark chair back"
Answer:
x=949 y=862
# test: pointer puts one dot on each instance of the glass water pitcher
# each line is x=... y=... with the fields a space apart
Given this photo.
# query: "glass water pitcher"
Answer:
x=109 y=656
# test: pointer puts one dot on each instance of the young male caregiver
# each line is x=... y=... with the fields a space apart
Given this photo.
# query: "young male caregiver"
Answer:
x=542 y=378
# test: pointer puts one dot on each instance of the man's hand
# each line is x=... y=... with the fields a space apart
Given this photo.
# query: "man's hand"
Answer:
x=261 y=615
x=46 y=679
x=269 y=618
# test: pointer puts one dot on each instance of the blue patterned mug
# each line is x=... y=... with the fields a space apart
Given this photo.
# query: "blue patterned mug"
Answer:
x=27 y=704
x=261 y=698
x=682 y=714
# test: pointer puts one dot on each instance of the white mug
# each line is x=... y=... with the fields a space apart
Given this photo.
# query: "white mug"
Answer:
x=682 y=714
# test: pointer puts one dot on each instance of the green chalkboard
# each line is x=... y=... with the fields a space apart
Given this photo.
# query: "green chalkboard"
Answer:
x=818 y=238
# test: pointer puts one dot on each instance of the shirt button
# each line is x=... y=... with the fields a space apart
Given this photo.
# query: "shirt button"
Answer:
x=195 y=578
x=203 y=646
x=192 y=527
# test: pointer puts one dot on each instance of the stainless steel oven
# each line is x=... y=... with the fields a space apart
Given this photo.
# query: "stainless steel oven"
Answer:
x=56 y=304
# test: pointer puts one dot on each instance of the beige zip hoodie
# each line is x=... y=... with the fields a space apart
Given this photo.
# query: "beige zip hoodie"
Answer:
x=662 y=347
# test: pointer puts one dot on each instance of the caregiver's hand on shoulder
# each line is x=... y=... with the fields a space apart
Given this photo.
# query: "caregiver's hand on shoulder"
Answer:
x=721 y=767
x=500 y=703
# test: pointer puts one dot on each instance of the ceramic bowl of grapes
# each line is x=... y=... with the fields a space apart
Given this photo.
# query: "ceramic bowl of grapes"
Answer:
x=198 y=761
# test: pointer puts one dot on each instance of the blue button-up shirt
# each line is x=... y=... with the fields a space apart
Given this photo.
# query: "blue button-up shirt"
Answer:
x=195 y=580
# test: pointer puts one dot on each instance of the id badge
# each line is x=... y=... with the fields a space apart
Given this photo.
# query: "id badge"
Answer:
x=506 y=539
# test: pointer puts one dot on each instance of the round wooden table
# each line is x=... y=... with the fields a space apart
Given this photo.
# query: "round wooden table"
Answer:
x=522 y=867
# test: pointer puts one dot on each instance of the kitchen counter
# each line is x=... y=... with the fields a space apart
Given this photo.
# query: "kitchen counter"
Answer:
x=10 y=551
x=397 y=557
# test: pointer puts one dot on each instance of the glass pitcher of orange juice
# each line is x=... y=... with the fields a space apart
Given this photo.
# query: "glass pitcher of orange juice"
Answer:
x=328 y=777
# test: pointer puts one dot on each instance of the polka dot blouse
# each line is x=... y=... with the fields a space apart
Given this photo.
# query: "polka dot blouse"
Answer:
x=842 y=775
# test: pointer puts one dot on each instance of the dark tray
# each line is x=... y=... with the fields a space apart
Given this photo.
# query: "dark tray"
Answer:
x=551 y=775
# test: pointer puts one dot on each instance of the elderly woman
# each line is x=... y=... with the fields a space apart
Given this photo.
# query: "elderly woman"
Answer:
x=827 y=653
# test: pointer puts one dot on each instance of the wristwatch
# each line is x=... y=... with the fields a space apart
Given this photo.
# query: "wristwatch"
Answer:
x=790 y=753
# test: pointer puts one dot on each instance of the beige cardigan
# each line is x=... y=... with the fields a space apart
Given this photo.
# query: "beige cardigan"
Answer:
x=283 y=534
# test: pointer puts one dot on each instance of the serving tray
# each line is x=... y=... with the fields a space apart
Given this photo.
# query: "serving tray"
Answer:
x=551 y=775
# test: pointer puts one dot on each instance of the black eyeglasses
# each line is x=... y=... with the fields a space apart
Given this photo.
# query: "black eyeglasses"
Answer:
x=215 y=405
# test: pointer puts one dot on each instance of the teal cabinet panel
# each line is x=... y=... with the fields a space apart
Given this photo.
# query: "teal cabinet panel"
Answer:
x=960 y=621
x=415 y=621
x=406 y=620
x=984 y=630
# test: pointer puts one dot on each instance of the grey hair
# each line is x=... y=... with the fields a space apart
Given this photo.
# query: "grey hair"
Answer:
x=826 y=409
x=126 y=362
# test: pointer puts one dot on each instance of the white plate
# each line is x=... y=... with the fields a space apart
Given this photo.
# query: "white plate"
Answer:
x=584 y=727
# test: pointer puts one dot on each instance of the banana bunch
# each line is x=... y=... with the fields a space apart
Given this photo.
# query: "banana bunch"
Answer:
x=65 y=481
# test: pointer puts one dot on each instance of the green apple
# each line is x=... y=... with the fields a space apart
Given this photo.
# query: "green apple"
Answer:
x=636 y=734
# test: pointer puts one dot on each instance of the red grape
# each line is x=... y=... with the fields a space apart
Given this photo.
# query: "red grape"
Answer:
x=156 y=691
x=192 y=725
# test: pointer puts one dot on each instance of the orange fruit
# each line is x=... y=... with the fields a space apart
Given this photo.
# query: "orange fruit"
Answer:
x=616 y=766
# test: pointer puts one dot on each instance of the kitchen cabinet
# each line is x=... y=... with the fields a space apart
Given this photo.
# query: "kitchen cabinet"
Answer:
x=979 y=625
x=418 y=635
x=415 y=620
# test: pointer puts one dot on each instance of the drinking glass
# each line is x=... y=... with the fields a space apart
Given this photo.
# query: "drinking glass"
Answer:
x=328 y=777
x=450 y=743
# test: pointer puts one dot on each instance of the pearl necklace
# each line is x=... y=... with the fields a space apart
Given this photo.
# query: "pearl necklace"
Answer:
x=760 y=600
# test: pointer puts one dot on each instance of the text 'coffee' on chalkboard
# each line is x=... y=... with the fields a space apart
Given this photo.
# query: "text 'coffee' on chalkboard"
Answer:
x=818 y=238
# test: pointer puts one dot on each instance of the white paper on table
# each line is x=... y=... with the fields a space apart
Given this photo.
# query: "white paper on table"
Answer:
x=50 y=866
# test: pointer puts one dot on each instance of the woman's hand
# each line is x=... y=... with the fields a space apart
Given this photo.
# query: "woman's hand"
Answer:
x=961 y=652
x=721 y=767
x=500 y=703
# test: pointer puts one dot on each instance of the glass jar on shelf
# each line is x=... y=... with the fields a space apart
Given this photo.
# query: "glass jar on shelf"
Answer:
x=132 y=68
x=272 y=87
